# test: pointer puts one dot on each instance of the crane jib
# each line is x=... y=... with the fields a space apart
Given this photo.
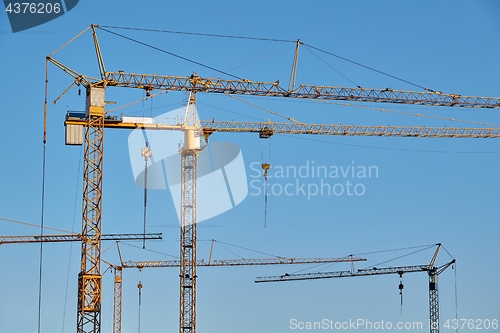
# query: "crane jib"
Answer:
x=256 y=88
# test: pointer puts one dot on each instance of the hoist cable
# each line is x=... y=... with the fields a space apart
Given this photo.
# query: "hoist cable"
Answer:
x=265 y=202
x=146 y=153
x=139 y=286
x=145 y=203
x=41 y=243
x=456 y=296
x=401 y=286
x=42 y=213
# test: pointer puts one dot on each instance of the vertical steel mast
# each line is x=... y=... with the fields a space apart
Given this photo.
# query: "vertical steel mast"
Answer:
x=187 y=273
x=89 y=278
x=433 y=294
x=433 y=302
x=117 y=307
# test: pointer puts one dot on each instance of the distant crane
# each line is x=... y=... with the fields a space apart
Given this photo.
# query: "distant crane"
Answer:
x=117 y=319
x=89 y=291
x=431 y=270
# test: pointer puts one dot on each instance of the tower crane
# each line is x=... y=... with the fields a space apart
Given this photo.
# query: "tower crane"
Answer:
x=89 y=290
x=202 y=263
x=431 y=270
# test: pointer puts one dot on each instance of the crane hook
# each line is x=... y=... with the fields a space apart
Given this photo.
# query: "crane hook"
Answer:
x=401 y=287
x=265 y=167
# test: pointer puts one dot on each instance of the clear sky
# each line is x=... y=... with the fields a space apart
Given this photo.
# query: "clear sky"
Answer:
x=425 y=191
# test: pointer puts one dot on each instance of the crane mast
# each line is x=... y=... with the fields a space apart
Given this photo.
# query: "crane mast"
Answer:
x=89 y=278
x=89 y=290
x=189 y=154
x=117 y=304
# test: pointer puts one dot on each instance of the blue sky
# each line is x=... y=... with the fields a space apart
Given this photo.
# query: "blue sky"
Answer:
x=426 y=191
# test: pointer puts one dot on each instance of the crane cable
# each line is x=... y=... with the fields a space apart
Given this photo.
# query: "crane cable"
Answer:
x=255 y=60
x=249 y=38
x=139 y=287
x=200 y=34
x=456 y=297
x=333 y=68
x=41 y=243
x=454 y=266
x=42 y=214
x=265 y=168
x=267 y=110
x=267 y=194
x=170 y=53
x=402 y=256
x=265 y=202
x=34 y=225
x=135 y=102
x=152 y=251
x=370 y=68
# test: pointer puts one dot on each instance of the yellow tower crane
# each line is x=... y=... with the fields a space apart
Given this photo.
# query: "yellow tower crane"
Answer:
x=89 y=290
